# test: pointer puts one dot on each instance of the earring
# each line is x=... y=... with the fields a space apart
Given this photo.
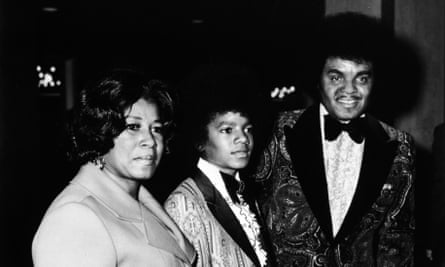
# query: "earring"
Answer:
x=100 y=162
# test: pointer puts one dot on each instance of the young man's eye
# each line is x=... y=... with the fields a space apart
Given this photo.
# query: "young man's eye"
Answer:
x=226 y=130
x=248 y=129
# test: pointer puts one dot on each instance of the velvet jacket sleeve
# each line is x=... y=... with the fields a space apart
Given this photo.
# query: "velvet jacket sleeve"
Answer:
x=396 y=236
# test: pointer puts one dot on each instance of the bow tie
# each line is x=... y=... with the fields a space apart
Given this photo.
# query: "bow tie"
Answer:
x=355 y=128
x=233 y=186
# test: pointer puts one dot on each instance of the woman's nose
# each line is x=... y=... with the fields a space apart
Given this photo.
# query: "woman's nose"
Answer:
x=147 y=139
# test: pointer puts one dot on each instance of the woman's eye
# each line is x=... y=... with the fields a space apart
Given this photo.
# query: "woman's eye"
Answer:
x=158 y=129
x=133 y=126
x=249 y=129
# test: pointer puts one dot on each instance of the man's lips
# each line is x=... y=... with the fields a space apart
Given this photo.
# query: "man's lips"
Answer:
x=348 y=101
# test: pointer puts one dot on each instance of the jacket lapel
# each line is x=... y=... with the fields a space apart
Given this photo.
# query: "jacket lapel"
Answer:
x=306 y=151
x=304 y=141
x=224 y=215
x=377 y=160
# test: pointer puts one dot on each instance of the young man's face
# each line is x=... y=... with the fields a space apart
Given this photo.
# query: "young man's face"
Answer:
x=230 y=142
x=345 y=87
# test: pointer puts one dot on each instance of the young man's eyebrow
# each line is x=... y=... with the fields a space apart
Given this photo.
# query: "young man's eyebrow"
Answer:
x=224 y=122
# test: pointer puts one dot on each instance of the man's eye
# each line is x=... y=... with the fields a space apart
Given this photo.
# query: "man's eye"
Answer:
x=133 y=126
x=335 y=78
x=363 y=79
x=226 y=130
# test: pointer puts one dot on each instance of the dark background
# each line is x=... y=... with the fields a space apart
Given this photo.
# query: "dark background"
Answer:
x=165 y=38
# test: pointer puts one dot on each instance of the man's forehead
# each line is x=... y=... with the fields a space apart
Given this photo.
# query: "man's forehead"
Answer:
x=338 y=63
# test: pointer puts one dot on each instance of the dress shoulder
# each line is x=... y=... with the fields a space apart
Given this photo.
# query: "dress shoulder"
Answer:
x=72 y=235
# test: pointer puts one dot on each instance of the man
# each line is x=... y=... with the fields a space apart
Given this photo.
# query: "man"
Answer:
x=341 y=181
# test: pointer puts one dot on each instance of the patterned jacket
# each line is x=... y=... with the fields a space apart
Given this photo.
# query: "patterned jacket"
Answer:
x=207 y=221
x=378 y=229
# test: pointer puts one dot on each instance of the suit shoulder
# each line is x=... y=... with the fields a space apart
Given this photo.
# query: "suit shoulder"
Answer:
x=187 y=207
x=288 y=118
x=396 y=134
x=187 y=189
x=185 y=198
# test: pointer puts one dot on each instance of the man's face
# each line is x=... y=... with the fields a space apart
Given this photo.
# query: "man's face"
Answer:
x=345 y=87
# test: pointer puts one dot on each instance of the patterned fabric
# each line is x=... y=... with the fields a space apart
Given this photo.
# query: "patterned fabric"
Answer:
x=214 y=246
x=342 y=162
x=378 y=229
x=241 y=210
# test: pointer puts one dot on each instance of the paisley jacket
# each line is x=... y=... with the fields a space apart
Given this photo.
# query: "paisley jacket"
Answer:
x=378 y=229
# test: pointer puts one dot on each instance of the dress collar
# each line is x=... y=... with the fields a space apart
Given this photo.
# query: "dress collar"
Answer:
x=110 y=193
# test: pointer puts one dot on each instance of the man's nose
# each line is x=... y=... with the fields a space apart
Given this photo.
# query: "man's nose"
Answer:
x=349 y=87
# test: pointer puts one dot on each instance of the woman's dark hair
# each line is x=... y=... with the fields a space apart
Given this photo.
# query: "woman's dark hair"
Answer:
x=99 y=116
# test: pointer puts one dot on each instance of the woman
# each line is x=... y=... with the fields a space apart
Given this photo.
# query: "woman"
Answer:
x=105 y=217
x=213 y=207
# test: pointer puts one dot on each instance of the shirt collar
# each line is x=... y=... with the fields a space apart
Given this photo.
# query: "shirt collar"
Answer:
x=323 y=112
x=213 y=173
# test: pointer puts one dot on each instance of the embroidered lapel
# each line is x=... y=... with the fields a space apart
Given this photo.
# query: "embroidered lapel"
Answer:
x=224 y=215
x=306 y=152
x=377 y=160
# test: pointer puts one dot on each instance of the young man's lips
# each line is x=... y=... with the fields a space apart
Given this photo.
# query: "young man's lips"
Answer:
x=244 y=153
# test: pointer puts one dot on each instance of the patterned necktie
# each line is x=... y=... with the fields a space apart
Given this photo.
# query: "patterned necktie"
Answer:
x=355 y=128
x=233 y=187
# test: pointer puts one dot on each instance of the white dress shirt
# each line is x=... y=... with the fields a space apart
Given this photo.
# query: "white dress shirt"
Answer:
x=342 y=163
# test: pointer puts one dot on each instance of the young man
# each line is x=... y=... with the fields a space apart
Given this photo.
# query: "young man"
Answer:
x=214 y=207
x=341 y=181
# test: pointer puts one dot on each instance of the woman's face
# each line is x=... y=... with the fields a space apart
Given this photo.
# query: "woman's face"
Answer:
x=230 y=142
x=139 y=148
